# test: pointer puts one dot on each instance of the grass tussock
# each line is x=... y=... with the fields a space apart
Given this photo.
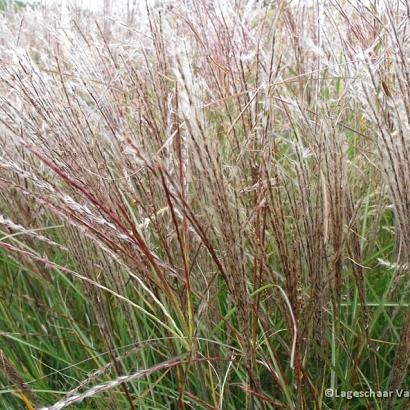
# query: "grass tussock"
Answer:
x=204 y=205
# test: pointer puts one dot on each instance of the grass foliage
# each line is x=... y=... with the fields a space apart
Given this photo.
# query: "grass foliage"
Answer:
x=204 y=205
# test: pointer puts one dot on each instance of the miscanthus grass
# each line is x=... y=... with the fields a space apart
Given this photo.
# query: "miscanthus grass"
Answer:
x=204 y=205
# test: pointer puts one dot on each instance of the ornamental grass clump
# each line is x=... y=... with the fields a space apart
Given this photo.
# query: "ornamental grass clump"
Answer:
x=204 y=204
